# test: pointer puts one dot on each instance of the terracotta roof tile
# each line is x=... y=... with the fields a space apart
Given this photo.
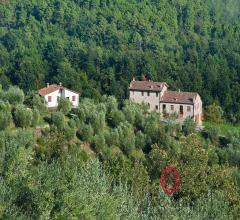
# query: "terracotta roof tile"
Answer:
x=179 y=97
x=146 y=85
x=46 y=90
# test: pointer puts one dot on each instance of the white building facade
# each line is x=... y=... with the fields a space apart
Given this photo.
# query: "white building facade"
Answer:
x=156 y=95
x=53 y=93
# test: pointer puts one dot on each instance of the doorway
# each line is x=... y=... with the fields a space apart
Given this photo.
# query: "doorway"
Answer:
x=181 y=110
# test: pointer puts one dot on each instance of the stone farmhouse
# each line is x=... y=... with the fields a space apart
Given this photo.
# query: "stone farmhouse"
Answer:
x=159 y=99
x=53 y=93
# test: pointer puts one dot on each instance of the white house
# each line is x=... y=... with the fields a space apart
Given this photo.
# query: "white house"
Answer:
x=159 y=99
x=52 y=94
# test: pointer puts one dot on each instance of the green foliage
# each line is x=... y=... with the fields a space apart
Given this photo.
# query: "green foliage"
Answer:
x=5 y=115
x=64 y=106
x=86 y=132
x=214 y=113
x=70 y=133
x=58 y=119
x=189 y=126
x=96 y=47
x=33 y=100
x=213 y=134
x=14 y=95
x=36 y=117
x=5 y=119
x=49 y=175
x=22 y=116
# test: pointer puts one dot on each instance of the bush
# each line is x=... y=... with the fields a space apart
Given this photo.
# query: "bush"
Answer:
x=38 y=102
x=14 y=95
x=213 y=158
x=98 y=121
x=115 y=118
x=22 y=116
x=69 y=133
x=213 y=134
x=85 y=133
x=58 y=119
x=64 y=106
x=189 y=126
x=5 y=119
x=214 y=113
x=112 y=138
x=36 y=117
x=99 y=143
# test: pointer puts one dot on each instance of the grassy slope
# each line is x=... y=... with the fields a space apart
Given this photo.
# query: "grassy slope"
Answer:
x=224 y=128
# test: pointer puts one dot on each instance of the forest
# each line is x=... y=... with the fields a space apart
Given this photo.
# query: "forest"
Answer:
x=103 y=160
x=97 y=46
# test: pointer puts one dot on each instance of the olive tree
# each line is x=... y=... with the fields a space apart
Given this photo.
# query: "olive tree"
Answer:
x=14 y=95
x=64 y=106
x=58 y=119
x=22 y=116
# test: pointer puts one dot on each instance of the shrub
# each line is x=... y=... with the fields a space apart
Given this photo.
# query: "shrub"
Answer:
x=69 y=133
x=58 y=119
x=99 y=143
x=98 y=121
x=5 y=106
x=214 y=113
x=140 y=140
x=115 y=118
x=5 y=119
x=38 y=102
x=189 y=126
x=112 y=138
x=14 y=95
x=85 y=133
x=22 y=116
x=36 y=117
x=213 y=158
x=64 y=106
x=213 y=134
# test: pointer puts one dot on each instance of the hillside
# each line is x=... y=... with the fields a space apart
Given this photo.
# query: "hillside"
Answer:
x=97 y=46
x=103 y=161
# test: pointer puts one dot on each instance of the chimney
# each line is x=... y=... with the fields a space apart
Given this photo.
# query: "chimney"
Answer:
x=179 y=90
x=60 y=84
x=133 y=79
x=47 y=84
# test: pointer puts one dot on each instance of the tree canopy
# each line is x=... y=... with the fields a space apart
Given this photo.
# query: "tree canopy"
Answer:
x=96 y=47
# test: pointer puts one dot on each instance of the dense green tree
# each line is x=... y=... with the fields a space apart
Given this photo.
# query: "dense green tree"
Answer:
x=64 y=106
x=14 y=95
x=22 y=116
x=214 y=113
x=189 y=126
x=58 y=120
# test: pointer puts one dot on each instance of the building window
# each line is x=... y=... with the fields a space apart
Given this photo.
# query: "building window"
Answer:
x=142 y=93
x=172 y=107
x=49 y=98
x=164 y=107
x=189 y=108
x=74 y=98
x=148 y=93
x=58 y=98
x=156 y=107
x=157 y=94
x=181 y=110
x=133 y=92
